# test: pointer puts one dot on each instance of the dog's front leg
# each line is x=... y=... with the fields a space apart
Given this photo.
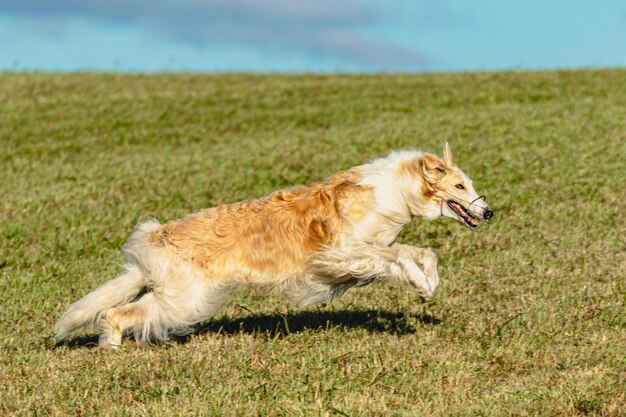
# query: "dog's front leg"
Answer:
x=360 y=265
x=421 y=267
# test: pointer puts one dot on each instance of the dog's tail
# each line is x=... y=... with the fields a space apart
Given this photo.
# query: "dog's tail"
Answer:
x=89 y=309
x=118 y=291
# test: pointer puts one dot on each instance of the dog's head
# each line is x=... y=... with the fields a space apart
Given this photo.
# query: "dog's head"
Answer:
x=448 y=192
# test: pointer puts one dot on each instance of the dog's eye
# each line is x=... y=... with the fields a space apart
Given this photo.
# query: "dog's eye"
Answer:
x=460 y=186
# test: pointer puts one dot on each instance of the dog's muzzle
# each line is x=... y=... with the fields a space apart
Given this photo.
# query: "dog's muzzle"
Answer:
x=470 y=217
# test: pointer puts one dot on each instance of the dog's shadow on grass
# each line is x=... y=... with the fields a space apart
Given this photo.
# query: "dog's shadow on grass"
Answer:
x=277 y=325
x=87 y=341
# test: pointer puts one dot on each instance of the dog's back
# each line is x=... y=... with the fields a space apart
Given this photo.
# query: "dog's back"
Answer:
x=264 y=240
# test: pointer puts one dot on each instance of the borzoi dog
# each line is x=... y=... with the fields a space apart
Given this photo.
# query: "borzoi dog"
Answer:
x=310 y=243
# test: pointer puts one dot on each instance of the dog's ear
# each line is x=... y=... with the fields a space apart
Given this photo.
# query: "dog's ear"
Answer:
x=447 y=155
x=432 y=168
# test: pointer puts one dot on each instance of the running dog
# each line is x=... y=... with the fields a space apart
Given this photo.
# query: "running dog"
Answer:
x=311 y=243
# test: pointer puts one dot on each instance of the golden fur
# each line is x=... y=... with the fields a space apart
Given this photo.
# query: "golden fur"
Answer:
x=254 y=239
x=311 y=243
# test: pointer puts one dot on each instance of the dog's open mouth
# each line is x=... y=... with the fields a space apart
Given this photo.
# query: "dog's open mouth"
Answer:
x=463 y=213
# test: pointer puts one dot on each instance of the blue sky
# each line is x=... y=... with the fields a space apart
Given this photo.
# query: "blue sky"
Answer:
x=311 y=35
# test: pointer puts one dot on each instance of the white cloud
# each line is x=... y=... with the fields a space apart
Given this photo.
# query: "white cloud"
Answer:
x=328 y=28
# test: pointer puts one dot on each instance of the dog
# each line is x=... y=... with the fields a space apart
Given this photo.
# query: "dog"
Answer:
x=311 y=243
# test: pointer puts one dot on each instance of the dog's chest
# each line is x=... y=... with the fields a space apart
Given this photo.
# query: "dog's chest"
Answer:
x=376 y=229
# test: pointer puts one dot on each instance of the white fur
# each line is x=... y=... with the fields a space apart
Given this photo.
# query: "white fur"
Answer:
x=178 y=295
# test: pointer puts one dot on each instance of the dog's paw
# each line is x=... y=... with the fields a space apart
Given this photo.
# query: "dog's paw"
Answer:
x=427 y=295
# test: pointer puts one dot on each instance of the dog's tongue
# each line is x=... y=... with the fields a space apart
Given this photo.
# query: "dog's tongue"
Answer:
x=470 y=220
x=461 y=212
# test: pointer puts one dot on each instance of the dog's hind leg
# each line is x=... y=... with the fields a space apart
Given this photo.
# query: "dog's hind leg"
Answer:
x=117 y=320
x=163 y=311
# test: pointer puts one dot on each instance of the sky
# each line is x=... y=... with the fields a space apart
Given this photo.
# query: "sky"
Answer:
x=310 y=35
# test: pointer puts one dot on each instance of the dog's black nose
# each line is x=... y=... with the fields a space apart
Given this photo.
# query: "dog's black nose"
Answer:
x=487 y=214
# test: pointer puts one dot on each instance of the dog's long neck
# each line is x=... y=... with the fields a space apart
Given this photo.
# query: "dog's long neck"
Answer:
x=398 y=199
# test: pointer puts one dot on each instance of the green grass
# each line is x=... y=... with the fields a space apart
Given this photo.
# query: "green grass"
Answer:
x=530 y=318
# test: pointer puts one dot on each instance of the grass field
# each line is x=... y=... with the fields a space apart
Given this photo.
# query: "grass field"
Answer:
x=530 y=318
